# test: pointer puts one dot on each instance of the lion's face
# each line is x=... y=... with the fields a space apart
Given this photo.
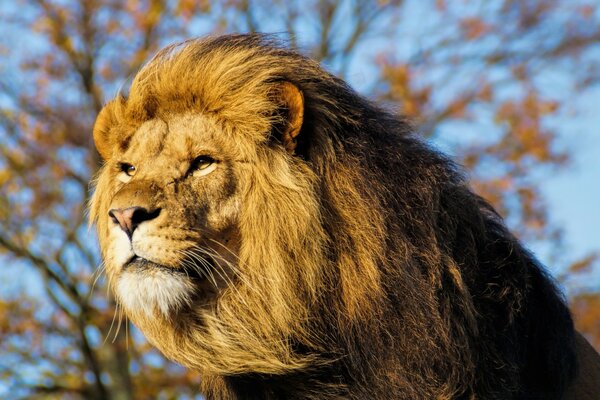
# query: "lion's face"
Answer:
x=171 y=215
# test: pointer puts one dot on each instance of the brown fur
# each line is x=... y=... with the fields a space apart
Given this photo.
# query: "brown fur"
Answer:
x=362 y=266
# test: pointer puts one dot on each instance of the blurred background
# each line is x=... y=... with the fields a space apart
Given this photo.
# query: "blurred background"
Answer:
x=510 y=88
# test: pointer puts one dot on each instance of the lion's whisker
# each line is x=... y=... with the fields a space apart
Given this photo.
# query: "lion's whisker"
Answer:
x=119 y=323
x=206 y=268
x=193 y=252
x=112 y=323
x=196 y=268
x=98 y=274
x=237 y=257
x=216 y=257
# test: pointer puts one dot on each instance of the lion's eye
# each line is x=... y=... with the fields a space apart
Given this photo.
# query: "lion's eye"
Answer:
x=202 y=165
x=201 y=162
x=127 y=171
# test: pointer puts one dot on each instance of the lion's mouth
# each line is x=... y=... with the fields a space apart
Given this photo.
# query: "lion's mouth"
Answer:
x=192 y=271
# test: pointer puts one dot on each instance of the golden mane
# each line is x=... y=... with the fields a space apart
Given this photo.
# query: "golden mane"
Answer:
x=368 y=269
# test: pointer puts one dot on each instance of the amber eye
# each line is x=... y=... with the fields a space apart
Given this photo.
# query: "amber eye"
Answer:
x=201 y=163
x=128 y=169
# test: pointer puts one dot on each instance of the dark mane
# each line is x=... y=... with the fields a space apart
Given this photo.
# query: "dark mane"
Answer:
x=467 y=309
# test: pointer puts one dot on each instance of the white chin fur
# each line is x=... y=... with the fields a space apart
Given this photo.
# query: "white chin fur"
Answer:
x=154 y=291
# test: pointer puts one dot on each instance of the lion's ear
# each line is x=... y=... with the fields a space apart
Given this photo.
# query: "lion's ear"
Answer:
x=291 y=103
x=103 y=129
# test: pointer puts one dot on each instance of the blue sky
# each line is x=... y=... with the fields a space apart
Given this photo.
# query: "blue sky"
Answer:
x=573 y=194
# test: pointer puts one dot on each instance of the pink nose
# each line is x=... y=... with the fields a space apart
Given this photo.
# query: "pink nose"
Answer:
x=129 y=218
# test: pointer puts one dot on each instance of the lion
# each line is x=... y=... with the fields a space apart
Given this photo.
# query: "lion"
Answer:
x=263 y=224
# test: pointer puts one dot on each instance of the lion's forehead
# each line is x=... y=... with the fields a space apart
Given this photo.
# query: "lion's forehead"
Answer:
x=174 y=137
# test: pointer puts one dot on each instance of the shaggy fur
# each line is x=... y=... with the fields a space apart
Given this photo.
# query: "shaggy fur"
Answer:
x=366 y=267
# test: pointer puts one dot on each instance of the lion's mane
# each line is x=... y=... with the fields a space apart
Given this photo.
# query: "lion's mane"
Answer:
x=369 y=268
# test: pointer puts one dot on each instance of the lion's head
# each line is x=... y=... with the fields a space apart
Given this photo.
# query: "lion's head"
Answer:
x=209 y=218
x=265 y=225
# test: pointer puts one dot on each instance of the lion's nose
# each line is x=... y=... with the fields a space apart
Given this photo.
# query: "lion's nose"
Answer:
x=129 y=218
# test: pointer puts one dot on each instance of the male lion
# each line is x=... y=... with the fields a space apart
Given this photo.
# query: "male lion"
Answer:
x=263 y=224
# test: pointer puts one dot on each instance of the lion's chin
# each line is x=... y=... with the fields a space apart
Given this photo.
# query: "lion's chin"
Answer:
x=151 y=289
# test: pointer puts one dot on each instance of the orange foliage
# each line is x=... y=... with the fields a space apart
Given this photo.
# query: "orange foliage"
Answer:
x=474 y=28
x=586 y=308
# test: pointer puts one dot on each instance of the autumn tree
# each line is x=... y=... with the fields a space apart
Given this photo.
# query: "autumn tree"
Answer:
x=475 y=77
